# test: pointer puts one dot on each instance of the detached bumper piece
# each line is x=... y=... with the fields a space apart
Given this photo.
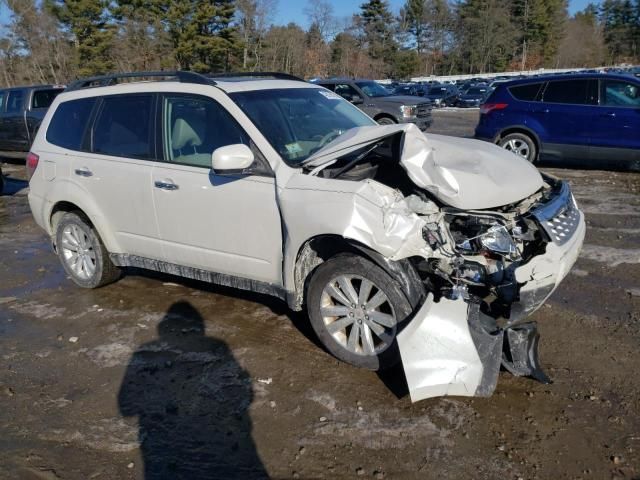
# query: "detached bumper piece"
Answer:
x=452 y=348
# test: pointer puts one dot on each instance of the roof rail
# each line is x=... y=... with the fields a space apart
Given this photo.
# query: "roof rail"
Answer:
x=106 y=80
x=277 y=75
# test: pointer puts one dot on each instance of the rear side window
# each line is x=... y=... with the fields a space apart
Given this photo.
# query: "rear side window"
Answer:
x=14 y=102
x=527 y=93
x=69 y=122
x=123 y=127
x=44 y=98
x=576 y=92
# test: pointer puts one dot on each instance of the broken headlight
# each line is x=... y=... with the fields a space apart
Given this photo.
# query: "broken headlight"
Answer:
x=475 y=234
x=497 y=239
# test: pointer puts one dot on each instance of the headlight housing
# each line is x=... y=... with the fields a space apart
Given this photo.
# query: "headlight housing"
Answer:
x=409 y=110
x=497 y=239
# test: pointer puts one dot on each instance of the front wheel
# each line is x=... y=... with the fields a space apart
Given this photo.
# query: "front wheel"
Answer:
x=385 y=121
x=355 y=308
x=520 y=144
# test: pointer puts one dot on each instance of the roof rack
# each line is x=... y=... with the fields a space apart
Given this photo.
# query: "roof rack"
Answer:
x=106 y=80
x=277 y=75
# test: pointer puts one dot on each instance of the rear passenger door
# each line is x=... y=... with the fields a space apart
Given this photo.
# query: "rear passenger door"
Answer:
x=615 y=132
x=115 y=170
x=565 y=113
x=228 y=224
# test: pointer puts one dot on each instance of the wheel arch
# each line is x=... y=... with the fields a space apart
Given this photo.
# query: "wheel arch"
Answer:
x=320 y=248
x=520 y=129
x=385 y=115
x=89 y=212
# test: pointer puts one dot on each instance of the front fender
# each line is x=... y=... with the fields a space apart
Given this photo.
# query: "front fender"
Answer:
x=367 y=212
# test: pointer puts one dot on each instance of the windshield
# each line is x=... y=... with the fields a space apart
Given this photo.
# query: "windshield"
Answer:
x=298 y=122
x=373 y=89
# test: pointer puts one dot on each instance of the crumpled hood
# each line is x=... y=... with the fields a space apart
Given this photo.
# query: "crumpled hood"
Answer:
x=463 y=173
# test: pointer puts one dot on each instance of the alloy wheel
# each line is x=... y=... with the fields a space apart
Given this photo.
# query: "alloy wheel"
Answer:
x=358 y=315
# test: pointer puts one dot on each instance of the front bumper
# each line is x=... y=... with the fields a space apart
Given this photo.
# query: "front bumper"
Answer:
x=451 y=348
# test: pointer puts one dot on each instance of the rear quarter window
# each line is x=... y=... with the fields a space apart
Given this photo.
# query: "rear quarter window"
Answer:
x=69 y=122
x=527 y=93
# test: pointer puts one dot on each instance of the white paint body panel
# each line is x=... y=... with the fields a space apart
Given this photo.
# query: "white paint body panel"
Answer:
x=438 y=353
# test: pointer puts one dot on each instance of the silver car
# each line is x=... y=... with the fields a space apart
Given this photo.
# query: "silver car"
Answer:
x=402 y=247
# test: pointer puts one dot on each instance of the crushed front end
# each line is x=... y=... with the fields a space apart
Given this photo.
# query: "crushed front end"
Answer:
x=488 y=271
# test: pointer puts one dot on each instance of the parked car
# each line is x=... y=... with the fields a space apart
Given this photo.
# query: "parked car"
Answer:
x=473 y=97
x=377 y=102
x=21 y=111
x=575 y=118
x=443 y=95
x=429 y=250
x=411 y=90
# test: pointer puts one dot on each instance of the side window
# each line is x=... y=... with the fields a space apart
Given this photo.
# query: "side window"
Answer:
x=123 y=127
x=69 y=123
x=346 y=91
x=568 y=91
x=527 y=93
x=196 y=126
x=14 y=101
x=2 y=97
x=44 y=98
x=618 y=93
x=328 y=86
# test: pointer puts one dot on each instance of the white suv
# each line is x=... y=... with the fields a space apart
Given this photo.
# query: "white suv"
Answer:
x=427 y=249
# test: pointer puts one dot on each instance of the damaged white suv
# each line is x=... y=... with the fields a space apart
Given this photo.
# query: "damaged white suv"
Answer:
x=425 y=249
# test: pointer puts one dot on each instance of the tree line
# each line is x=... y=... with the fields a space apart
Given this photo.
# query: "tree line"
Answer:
x=54 y=41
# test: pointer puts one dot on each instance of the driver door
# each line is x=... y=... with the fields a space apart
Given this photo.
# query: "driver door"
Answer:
x=228 y=224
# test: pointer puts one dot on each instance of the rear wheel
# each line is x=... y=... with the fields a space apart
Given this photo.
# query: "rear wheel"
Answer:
x=355 y=308
x=521 y=144
x=82 y=253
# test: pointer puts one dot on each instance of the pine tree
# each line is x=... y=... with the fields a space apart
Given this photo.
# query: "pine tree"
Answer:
x=378 y=32
x=88 y=22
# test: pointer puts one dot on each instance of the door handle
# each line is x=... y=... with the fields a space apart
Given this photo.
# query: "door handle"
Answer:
x=83 y=172
x=608 y=114
x=166 y=185
x=546 y=110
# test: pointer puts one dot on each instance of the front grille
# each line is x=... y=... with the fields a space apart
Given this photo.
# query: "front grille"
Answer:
x=559 y=217
x=424 y=111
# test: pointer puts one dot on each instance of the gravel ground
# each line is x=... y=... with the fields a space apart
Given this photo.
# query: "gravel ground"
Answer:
x=160 y=374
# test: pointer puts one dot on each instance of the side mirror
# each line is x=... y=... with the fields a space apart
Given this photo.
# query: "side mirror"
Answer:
x=356 y=100
x=231 y=158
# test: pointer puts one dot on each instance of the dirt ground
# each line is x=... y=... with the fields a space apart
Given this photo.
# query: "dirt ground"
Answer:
x=156 y=374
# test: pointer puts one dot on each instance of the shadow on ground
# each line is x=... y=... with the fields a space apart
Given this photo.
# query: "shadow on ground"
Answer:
x=191 y=398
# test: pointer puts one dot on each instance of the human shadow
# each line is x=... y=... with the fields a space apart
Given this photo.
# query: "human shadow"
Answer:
x=191 y=398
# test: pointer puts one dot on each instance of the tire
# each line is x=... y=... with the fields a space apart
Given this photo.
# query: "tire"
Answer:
x=520 y=144
x=372 y=345
x=385 y=121
x=75 y=236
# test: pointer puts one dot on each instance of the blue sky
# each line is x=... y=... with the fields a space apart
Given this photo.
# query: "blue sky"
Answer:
x=292 y=10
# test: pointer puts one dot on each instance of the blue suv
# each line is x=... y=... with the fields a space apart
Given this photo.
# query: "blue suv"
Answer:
x=572 y=118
